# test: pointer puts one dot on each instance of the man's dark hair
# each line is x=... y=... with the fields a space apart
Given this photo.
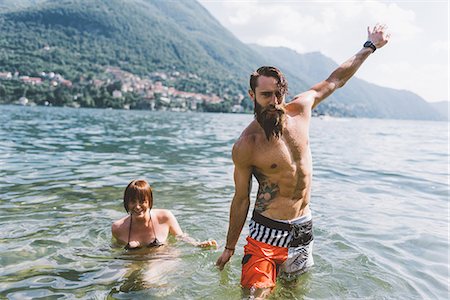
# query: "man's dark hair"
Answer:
x=269 y=72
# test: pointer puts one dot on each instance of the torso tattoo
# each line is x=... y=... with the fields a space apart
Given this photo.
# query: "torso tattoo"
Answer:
x=267 y=191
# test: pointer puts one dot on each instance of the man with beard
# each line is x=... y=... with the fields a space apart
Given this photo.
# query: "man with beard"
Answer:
x=275 y=149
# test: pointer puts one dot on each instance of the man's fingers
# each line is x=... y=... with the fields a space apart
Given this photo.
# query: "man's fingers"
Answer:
x=220 y=264
x=222 y=261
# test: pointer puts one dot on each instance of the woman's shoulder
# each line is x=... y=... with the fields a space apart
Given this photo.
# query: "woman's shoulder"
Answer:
x=163 y=215
x=117 y=225
x=167 y=218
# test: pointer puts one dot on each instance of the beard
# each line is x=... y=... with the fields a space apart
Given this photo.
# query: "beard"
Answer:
x=271 y=119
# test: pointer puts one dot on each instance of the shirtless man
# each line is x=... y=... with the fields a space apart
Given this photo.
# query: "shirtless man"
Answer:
x=275 y=149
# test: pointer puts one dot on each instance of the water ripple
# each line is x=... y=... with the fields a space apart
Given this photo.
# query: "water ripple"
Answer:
x=379 y=201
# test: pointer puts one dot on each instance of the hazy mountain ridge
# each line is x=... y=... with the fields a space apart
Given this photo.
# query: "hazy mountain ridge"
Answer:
x=141 y=36
x=442 y=107
x=357 y=98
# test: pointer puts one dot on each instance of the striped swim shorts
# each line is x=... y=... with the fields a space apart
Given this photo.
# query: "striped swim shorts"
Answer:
x=276 y=247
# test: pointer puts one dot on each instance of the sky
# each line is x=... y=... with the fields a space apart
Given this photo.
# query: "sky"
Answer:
x=415 y=59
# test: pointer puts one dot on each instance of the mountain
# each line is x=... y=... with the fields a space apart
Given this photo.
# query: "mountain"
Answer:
x=442 y=108
x=79 y=39
x=138 y=36
x=357 y=98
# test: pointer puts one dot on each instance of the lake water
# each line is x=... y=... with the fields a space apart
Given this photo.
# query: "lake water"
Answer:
x=380 y=205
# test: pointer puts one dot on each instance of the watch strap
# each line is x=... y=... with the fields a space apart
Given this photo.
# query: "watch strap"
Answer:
x=370 y=45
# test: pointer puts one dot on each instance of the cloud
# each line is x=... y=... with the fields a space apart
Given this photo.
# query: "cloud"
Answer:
x=428 y=77
x=440 y=47
x=414 y=59
x=402 y=22
x=311 y=22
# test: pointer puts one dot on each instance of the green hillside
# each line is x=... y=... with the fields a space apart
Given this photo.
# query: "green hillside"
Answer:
x=179 y=41
x=137 y=36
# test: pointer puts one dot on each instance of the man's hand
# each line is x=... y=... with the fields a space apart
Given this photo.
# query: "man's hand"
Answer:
x=378 y=35
x=224 y=258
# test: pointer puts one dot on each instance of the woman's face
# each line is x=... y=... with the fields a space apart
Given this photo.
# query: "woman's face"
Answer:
x=138 y=208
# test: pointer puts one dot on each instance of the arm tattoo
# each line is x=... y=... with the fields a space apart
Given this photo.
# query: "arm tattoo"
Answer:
x=267 y=192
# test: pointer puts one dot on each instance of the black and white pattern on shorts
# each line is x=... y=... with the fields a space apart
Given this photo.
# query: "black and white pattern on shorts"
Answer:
x=280 y=234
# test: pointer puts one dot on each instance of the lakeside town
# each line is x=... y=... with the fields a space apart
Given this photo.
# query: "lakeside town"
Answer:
x=153 y=92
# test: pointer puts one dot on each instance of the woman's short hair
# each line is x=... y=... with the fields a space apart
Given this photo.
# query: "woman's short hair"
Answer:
x=138 y=190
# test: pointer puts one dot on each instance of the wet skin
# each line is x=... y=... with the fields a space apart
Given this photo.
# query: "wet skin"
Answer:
x=282 y=167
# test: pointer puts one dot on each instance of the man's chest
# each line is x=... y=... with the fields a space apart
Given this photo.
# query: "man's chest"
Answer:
x=287 y=154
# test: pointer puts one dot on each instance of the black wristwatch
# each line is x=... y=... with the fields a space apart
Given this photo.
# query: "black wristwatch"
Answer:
x=370 y=45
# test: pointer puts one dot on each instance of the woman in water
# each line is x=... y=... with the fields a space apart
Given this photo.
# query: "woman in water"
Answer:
x=145 y=227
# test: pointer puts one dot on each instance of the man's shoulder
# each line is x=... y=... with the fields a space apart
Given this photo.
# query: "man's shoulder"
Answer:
x=301 y=103
x=243 y=148
x=251 y=134
x=248 y=138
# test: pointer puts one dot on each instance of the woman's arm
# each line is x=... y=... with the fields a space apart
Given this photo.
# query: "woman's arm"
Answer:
x=175 y=229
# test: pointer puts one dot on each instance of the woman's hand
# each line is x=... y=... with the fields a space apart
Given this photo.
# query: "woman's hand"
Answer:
x=208 y=244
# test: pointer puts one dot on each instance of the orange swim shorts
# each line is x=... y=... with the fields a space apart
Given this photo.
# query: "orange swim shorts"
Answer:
x=276 y=247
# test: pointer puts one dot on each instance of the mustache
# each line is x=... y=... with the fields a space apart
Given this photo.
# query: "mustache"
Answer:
x=273 y=113
x=272 y=108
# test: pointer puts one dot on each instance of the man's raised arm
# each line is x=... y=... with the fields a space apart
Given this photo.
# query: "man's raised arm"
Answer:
x=376 y=38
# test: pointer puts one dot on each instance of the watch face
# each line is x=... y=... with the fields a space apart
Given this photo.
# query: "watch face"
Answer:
x=369 y=44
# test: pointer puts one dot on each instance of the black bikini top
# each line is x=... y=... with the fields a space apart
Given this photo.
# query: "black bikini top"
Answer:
x=153 y=244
